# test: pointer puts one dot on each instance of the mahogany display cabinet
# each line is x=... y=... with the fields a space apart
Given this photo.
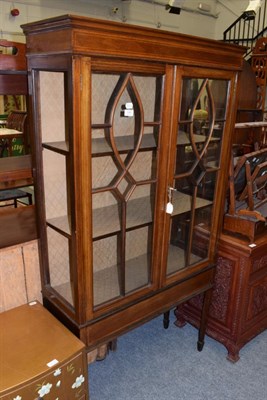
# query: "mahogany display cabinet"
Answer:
x=131 y=152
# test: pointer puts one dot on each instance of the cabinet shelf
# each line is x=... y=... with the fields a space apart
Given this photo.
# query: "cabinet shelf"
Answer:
x=183 y=138
x=101 y=147
x=106 y=220
x=176 y=259
x=59 y=147
x=60 y=224
x=106 y=281
x=182 y=203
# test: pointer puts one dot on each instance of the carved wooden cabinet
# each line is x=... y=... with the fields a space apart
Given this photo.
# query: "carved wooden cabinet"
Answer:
x=132 y=142
x=238 y=310
x=40 y=358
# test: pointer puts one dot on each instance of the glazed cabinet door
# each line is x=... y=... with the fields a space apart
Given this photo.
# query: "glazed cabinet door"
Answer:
x=200 y=140
x=99 y=135
x=126 y=125
x=54 y=162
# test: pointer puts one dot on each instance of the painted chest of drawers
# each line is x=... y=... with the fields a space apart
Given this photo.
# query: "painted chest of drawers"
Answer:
x=39 y=357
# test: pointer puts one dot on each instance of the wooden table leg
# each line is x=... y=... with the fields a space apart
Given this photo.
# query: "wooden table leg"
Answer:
x=204 y=319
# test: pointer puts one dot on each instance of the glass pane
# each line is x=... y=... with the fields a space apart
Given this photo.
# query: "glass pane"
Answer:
x=199 y=138
x=106 y=214
x=140 y=207
x=52 y=106
x=55 y=184
x=149 y=92
x=219 y=92
x=59 y=264
x=106 y=269
x=102 y=88
x=137 y=259
x=125 y=130
x=178 y=256
x=104 y=170
x=55 y=157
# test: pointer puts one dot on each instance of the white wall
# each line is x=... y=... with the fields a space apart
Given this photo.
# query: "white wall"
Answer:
x=228 y=11
x=139 y=12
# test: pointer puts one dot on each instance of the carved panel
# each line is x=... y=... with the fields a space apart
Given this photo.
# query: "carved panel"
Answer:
x=258 y=299
x=259 y=263
x=222 y=289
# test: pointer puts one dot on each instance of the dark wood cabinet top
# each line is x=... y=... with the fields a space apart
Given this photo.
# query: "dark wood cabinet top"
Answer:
x=114 y=39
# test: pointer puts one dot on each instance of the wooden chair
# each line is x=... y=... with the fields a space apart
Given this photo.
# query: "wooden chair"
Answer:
x=16 y=120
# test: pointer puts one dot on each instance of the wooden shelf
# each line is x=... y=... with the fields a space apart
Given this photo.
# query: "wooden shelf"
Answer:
x=60 y=224
x=137 y=275
x=107 y=221
x=176 y=259
x=58 y=147
x=106 y=281
x=183 y=139
x=125 y=143
x=101 y=146
x=182 y=203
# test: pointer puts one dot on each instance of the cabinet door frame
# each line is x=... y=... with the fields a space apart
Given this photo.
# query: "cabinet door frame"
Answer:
x=61 y=64
x=180 y=72
x=144 y=69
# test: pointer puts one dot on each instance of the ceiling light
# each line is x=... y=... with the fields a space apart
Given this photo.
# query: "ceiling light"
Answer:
x=173 y=6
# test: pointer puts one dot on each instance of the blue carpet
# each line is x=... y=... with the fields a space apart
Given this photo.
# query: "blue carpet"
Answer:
x=152 y=363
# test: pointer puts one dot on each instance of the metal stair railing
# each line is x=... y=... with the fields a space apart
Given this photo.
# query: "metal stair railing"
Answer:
x=247 y=29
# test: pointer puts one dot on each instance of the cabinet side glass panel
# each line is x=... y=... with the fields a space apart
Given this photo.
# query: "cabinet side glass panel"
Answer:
x=198 y=150
x=126 y=121
x=56 y=159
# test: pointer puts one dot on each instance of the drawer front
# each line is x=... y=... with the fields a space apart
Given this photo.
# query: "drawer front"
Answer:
x=64 y=382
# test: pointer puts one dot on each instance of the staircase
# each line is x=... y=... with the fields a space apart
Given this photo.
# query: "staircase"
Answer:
x=248 y=28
